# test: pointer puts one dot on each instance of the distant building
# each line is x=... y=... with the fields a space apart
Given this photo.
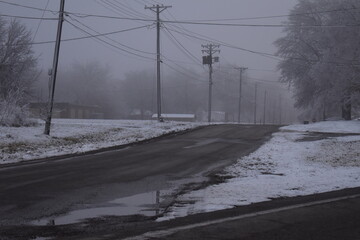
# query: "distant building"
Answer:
x=66 y=110
x=216 y=116
x=177 y=117
x=137 y=114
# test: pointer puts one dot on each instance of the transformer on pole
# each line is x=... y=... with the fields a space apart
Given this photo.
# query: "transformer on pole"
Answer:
x=210 y=49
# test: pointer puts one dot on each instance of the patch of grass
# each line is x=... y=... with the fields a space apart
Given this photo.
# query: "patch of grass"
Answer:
x=15 y=147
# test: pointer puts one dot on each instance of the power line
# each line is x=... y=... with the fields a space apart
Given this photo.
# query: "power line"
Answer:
x=83 y=15
x=29 y=7
x=110 y=44
x=184 y=69
x=268 y=55
x=258 y=25
x=205 y=38
x=119 y=9
x=263 y=70
x=137 y=13
x=42 y=16
x=85 y=37
x=264 y=81
x=28 y=17
x=183 y=73
x=209 y=22
x=273 y=16
x=182 y=48
x=117 y=42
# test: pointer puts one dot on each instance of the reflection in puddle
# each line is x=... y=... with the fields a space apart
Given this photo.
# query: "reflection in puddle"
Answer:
x=145 y=204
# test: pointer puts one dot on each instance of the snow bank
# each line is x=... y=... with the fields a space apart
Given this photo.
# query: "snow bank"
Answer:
x=328 y=127
x=285 y=166
x=77 y=136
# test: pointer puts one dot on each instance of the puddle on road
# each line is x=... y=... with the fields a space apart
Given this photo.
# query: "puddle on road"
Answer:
x=204 y=142
x=147 y=204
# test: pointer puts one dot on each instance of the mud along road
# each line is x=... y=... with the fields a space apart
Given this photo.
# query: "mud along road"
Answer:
x=47 y=188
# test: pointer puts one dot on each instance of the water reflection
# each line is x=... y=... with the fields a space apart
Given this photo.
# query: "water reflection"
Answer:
x=147 y=204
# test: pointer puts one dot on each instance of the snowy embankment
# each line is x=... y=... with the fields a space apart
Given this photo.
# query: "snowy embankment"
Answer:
x=70 y=136
x=292 y=163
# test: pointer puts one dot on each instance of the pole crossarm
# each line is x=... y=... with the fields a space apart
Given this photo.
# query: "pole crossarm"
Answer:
x=157 y=8
x=210 y=49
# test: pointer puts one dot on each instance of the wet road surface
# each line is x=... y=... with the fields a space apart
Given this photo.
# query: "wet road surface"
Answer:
x=48 y=188
x=328 y=216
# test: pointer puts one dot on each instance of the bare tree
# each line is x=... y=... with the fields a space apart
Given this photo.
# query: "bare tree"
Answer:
x=17 y=71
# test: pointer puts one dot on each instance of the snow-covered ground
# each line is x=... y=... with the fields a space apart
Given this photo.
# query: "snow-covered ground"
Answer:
x=283 y=167
x=78 y=135
x=287 y=165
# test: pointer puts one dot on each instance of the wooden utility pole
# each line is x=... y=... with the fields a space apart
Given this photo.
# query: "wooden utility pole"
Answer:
x=210 y=49
x=280 y=109
x=54 y=68
x=255 y=102
x=241 y=69
x=158 y=9
x=265 y=95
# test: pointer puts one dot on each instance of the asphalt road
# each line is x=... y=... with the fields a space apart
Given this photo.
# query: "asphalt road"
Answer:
x=327 y=216
x=50 y=187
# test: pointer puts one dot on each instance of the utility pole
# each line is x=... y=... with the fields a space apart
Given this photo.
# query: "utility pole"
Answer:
x=273 y=110
x=255 y=100
x=265 y=107
x=280 y=108
x=210 y=49
x=158 y=9
x=241 y=69
x=54 y=68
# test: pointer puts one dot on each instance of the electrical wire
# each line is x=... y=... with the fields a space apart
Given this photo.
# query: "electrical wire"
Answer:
x=201 y=22
x=117 y=42
x=85 y=37
x=139 y=14
x=28 y=17
x=182 y=48
x=197 y=76
x=183 y=73
x=118 y=9
x=268 y=55
x=29 y=7
x=107 y=43
x=42 y=16
x=274 y=16
x=204 y=38
x=258 y=25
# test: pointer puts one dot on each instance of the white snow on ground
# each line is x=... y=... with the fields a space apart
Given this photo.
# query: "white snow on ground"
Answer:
x=283 y=167
x=78 y=135
x=329 y=127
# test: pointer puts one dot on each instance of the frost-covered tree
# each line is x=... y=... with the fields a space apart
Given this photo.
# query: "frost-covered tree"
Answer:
x=321 y=54
x=17 y=71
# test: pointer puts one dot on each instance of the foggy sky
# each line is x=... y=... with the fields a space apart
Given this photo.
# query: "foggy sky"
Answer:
x=253 y=38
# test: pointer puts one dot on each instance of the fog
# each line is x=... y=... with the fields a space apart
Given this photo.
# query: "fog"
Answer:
x=128 y=80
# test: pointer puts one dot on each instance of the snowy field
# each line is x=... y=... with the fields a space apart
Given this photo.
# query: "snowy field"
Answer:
x=77 y=135
x=285 y=166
